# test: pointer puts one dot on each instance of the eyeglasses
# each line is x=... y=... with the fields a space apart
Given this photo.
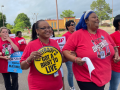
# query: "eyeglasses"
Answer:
x=72 y=24
x=45 y=28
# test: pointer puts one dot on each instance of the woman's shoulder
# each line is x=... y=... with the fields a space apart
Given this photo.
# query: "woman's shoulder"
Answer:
x=52 y=41
x=102 y=31
x=114 y=33
x=34 y=42
x=65 y=33
x=78 y=32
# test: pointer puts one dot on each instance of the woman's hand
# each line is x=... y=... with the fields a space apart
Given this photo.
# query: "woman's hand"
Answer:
x=116 y=58
x=34 y=55
x=79 y=61
x=6 y=57
x=8 y=39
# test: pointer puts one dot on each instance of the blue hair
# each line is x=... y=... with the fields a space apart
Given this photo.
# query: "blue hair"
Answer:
x=81 y=24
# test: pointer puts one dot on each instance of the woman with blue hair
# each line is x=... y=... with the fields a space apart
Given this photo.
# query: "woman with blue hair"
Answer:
x=95 y=44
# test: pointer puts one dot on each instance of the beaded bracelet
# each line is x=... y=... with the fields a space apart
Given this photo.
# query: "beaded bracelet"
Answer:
x=27 y=62
x=75 y=59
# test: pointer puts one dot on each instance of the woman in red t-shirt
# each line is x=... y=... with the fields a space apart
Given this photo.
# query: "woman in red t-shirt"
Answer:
x=70 y=26
x=9 y=44
x=41 y=32
x=115 y=79
x=20 y=40
x=93 y=43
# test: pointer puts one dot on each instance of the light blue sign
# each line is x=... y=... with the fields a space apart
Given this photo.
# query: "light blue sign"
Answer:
x=14 y=62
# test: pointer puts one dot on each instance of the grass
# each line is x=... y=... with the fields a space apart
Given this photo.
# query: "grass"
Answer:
x=27 y=37
x=59 y=35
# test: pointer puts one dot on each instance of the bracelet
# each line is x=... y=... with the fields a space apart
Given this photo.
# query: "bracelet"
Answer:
x=27 y=62
x=75 y=59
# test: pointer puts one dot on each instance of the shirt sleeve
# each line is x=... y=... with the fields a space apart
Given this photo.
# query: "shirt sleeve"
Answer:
x=112 y=36
x=111 y=40
x=26 y=53
x=71 y=44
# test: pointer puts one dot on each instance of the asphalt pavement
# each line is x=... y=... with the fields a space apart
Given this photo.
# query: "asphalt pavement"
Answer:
x=23 y=84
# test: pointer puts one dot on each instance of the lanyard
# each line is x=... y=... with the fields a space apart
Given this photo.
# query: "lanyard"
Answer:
x=92 y=37
x=42 y=43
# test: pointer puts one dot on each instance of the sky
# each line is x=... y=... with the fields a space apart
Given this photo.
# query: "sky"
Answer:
x=44 y=9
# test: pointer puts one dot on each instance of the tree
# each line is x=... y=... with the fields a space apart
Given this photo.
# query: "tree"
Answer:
x=19 y=26
x=102 y=9
x=67 y=13
x=1 y=20
x=23 y=18
x=9 y=26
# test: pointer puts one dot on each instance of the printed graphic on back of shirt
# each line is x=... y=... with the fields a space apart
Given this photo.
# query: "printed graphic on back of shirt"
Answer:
x=8 y=47
x=101 y=47
x=22 y=41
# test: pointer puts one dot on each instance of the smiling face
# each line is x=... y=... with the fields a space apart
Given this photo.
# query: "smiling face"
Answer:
x=44 y=30
x=4 y=33
x=71 y=28
x=92 y=22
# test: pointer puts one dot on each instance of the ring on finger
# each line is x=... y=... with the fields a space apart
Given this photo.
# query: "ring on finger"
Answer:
x=34 y=56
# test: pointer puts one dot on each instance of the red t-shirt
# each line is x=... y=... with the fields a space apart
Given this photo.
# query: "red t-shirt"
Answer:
x=3 y=46
x=89 y=45
x=36 y=80
x=67 y=34
x=22 y=43
x=116 y=37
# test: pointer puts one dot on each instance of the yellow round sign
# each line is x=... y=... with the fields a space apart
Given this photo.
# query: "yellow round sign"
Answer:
x=50 y=62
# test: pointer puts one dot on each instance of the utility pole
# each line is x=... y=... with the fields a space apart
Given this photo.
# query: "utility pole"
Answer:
x=57 y=17
x=33 y=18
x=36 y=16
x=112 y=14
x=2 y=14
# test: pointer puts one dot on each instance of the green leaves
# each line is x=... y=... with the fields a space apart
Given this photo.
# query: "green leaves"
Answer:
x=19 y=26
x=102 y=9
x=9 y=26
x=1 y=20
x=22 y=19
x=67 y=13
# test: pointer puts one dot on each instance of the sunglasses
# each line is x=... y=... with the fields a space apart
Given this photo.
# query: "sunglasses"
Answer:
x=72 y=24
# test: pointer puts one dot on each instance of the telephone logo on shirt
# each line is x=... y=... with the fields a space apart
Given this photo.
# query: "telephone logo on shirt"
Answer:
x=22 y=41
x=101 y=47
x=8 y=46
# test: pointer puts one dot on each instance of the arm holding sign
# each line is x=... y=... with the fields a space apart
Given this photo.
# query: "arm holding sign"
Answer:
x=34 y=55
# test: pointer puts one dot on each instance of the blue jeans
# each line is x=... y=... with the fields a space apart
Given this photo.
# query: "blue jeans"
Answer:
x=8 y=84
x=70 y=73
x=115 y=80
